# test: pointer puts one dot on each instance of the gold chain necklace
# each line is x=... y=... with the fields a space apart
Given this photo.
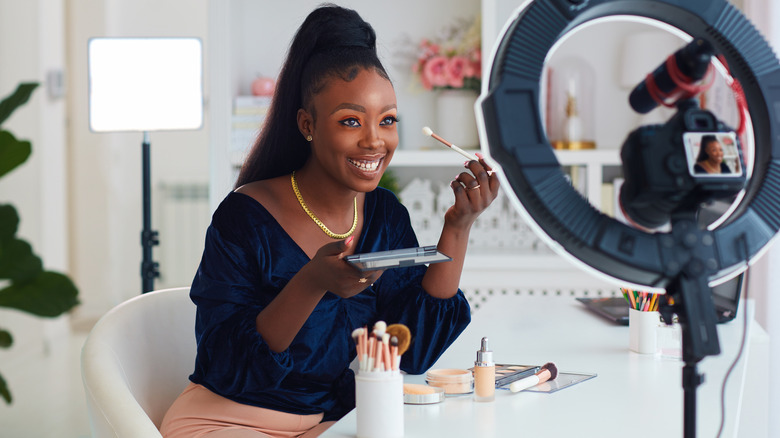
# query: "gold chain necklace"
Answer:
x=319 y=223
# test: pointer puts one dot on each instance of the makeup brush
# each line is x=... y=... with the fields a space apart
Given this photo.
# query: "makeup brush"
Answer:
x=402 y=333
x=429 y=132
x=357 y=335
x=548 y=372
x=379 y=351
x=371 y=352
x=394 y=352
x=386 y=359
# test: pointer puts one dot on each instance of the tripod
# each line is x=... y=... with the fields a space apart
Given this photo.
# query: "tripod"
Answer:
x=689 y=296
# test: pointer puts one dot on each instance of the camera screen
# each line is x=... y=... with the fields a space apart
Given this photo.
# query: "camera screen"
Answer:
x=712 y=154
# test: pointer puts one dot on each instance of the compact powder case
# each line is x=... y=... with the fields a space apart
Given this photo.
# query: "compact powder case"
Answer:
x=453 y=381
x=416 y=394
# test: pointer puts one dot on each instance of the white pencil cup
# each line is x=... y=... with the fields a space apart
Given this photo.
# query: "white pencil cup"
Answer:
x=379 y=399
x=643 y=329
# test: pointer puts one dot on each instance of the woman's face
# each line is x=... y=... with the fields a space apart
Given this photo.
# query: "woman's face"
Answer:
x=715 y=151
x=354 y=134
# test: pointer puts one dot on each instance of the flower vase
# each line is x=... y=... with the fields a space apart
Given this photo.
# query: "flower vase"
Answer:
x=456 y=121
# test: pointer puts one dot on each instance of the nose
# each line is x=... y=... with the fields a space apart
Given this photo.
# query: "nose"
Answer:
x=372 y=139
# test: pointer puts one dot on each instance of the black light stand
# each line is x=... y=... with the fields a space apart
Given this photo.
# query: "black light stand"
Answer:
x=689 y=296
x=125 y=95
x=149 y=238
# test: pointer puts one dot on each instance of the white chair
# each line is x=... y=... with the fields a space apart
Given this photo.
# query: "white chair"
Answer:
x=136 y=361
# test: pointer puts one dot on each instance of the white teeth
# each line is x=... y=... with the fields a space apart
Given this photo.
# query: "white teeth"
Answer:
x=367 y=166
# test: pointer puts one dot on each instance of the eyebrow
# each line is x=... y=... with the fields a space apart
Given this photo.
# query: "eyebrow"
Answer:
x=360 y=108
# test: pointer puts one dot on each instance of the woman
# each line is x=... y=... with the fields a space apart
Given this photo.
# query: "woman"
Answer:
x=276 y=301
x=710 y=159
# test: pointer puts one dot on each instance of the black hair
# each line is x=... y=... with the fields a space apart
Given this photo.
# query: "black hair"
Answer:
x=705 y=140
x=332 y=42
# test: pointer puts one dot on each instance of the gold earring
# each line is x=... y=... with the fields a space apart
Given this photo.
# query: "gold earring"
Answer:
x=309 y=138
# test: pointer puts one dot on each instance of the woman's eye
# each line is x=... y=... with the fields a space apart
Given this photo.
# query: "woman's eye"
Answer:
x=352 y=122
x=389 y=120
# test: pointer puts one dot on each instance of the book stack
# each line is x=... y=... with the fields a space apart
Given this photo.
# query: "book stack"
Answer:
x=248 y=116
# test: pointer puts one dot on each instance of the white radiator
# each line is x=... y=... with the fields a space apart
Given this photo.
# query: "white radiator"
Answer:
x=181 y=216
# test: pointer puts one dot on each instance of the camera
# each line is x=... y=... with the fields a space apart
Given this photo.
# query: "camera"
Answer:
x=661 y=168
x=692 y=159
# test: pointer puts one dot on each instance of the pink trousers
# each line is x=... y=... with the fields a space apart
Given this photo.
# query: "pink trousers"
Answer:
x=198 y=412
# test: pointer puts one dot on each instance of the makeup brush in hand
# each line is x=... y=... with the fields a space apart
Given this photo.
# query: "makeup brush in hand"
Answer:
x=548 y=372
x=429 y=132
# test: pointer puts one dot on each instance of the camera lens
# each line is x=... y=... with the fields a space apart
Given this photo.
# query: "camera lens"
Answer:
x=699 y=121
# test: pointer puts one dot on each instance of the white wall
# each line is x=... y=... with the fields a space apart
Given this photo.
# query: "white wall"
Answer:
x=252 y=36
x=106 y=168
x=31 y=46
x=266 y=29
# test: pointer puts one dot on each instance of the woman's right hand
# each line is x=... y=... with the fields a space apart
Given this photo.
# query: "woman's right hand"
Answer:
x=327 y=270
x=281 y=320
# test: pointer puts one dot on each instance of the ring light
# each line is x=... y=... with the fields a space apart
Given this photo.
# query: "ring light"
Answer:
x=684 y=260
x=512 y=125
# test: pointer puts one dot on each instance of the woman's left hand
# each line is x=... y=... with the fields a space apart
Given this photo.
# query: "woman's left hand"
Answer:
x=474 y=191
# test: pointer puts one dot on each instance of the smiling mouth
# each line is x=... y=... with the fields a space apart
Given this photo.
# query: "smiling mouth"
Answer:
x=367 y=166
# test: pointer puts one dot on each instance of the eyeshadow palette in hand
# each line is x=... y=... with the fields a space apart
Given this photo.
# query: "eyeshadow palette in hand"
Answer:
x=397 y=258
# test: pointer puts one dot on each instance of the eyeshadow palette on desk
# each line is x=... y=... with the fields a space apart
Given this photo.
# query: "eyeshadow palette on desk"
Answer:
x=508 y=373
x=564 y=380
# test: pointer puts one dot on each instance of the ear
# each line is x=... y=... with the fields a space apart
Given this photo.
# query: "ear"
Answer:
x=305 y=122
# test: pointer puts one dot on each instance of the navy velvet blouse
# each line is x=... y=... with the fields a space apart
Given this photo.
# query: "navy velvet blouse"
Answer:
x=724 y=168
x=248 y=258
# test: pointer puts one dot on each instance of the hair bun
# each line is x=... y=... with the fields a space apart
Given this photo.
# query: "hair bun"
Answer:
x=363 y=36
x=334 y=26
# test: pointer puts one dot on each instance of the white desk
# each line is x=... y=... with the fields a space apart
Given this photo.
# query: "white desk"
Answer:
x=633 y=395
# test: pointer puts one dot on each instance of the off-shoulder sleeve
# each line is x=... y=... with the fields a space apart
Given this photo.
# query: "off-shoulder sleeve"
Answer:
x=232 y=358
x=435 y=323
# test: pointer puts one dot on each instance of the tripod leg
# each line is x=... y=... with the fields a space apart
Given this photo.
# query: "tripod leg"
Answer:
x=692 y=302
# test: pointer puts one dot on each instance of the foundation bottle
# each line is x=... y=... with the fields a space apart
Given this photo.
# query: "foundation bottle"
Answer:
x=484 y=374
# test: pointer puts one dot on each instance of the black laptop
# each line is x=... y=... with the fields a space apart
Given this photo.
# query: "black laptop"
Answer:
x=725 y=296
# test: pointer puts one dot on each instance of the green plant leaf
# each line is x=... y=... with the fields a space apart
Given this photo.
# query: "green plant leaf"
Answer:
x=13 y=152
x=9 y=222
x=18 y=98
x=4 y=390
x=6 y=340
x=389 y=182
x=17 y=261
x=49 y=294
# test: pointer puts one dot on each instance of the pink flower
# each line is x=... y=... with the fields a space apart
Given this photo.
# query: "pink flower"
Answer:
x=427 y=50
x=434 y=73
x=475 y=65
x=452 y=60
x=456 y=68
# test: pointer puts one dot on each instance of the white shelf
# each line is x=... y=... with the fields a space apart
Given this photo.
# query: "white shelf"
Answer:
x=445 y=157
x=428 y=158
x=593 y=161
x=597 y=157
